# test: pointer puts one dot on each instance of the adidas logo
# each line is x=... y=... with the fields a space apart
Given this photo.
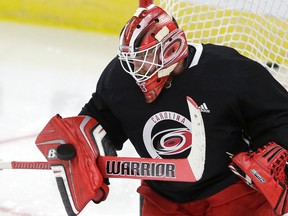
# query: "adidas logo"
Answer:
x=203 y=108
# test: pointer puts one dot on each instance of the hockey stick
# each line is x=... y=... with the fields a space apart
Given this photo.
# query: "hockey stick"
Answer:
x=125 y=167
x=189 y=169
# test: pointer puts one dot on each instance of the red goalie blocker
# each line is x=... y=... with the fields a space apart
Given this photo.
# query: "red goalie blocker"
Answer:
x=70 y=149
x=264 y=170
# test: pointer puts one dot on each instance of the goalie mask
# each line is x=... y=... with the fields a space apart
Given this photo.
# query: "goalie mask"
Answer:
x=151 y=45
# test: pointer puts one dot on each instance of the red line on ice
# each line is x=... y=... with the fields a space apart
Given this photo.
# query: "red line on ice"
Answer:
x=12 y=212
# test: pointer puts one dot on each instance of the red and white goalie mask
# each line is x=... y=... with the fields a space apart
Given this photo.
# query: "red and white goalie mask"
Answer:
x=151 y=45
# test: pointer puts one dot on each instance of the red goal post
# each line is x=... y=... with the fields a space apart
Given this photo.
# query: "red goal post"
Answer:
x=258 y=29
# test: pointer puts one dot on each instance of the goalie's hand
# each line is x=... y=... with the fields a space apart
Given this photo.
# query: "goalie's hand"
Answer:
x=264 y=170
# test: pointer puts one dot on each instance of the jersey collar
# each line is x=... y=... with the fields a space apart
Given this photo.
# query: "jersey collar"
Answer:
x=194 y=54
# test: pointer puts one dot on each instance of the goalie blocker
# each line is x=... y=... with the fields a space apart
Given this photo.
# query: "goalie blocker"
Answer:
x=264 y=170
x=70 y=148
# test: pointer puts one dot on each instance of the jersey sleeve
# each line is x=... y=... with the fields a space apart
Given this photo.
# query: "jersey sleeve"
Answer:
x=98 y=109
x=264 y=104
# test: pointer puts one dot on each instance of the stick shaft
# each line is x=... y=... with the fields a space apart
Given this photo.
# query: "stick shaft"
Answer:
x=126 y=167
x=24 y=165
x=30 y=165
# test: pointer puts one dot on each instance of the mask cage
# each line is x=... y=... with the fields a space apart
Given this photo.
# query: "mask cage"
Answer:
x=142 y=65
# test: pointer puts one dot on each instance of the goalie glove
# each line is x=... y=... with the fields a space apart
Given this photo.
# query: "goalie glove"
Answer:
x=264 y=170
x=70 y=148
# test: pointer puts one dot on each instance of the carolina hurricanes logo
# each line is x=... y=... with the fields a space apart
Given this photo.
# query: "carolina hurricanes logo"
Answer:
x=167 y=142
x=173 y=141
x=178 y=139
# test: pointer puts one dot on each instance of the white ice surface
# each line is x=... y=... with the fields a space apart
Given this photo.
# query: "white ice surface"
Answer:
x=45 y=71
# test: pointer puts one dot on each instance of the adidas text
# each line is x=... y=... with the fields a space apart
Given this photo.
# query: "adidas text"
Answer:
x=203 y=108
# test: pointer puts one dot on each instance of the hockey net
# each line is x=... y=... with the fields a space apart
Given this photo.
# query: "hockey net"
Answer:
x=258 y=29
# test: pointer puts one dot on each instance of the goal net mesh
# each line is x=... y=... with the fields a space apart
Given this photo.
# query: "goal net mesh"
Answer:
x=258 y=29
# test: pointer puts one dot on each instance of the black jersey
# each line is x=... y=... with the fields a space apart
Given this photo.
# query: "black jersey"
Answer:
x=235 y=95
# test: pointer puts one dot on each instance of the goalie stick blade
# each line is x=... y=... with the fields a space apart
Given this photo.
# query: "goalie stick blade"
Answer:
x=127 y=167
x=197 y=154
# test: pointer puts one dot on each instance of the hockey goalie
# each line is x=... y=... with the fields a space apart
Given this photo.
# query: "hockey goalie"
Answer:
x=142 y=96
